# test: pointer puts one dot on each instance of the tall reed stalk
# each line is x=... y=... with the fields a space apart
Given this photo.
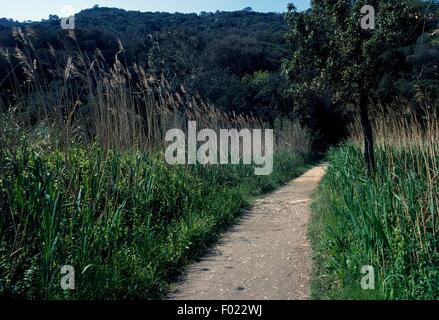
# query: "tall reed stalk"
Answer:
x=389 y=221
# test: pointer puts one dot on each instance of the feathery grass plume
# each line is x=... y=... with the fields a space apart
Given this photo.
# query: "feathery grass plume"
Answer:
x=71 y=34
x=26 y=65
x=68 y=68
x=5 y=54
x=126 y=111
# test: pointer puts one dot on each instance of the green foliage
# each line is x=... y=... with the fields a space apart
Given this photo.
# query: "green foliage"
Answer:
x=335 y=61
x=257 y=79
x=389 y=221
x=127 y=221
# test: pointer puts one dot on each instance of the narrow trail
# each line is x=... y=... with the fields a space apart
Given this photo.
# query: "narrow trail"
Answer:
x=265 y=256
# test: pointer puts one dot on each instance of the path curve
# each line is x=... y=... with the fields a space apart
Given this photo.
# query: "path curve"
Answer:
x=266 y=256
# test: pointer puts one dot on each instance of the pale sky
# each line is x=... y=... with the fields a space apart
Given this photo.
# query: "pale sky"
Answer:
x=40 y=9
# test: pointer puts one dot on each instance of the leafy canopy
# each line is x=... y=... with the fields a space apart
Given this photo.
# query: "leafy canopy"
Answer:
x=335 y=54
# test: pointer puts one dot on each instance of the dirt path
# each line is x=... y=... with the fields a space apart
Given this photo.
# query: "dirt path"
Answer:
x=266 y=256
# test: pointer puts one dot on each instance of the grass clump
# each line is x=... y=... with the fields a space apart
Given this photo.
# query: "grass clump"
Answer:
x=389 y=221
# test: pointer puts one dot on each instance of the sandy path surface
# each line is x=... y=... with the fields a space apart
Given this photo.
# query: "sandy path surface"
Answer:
x=265 y=256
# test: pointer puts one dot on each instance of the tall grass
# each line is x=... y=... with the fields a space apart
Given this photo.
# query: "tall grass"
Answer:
x=125 y=220
x=84 y=183
x=389 y=221
x=122 y=107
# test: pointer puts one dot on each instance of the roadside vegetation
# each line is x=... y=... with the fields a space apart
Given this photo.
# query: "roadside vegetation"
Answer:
x=378 y=204
x=84 y=181
x=126 y=221
x=389 y=221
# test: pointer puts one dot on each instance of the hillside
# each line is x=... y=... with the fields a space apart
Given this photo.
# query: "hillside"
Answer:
x=232 y=59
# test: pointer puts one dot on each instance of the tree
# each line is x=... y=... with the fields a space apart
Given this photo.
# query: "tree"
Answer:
x=336 y=55
x=53 y=17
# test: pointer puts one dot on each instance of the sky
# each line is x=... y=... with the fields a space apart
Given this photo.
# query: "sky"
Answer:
x=40 y=9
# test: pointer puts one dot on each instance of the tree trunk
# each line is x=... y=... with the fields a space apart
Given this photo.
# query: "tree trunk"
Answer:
x=369 y=154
